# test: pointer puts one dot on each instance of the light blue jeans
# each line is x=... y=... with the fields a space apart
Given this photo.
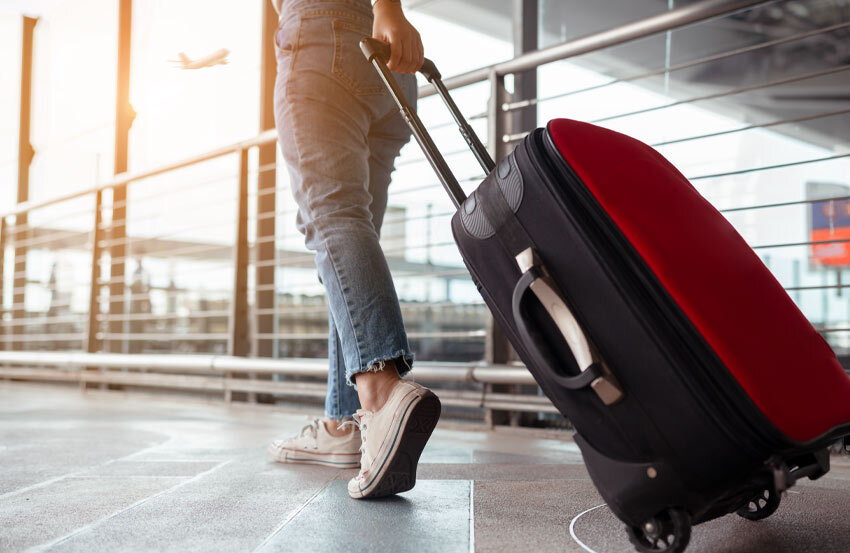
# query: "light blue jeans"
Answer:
x=340 y=133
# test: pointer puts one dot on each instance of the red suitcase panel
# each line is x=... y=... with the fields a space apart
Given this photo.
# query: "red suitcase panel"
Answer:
x=733 y=300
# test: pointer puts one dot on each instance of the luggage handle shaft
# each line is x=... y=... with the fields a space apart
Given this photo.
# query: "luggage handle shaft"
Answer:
x=375 y=48
x=592 y=374
x=378 y=53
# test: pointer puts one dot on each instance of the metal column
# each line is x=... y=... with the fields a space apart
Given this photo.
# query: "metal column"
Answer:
x=525 y=18
x=117 y=233
x=25 y=149
x=239 y=343
x=265 y=247
x=4 y=230
x=497 y=348
x=26 y=153
x=92 y=345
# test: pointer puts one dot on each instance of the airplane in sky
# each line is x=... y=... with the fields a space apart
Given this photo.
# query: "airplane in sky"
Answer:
x=219 y=57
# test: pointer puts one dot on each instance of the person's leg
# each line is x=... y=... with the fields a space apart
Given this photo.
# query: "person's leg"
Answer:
x=327 y=99
x=398 y=416
x=341 y=401
x=323 y=122
x=320 y=442
x=386 y=138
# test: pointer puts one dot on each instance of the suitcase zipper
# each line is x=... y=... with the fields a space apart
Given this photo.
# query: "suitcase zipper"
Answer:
x=593 y=220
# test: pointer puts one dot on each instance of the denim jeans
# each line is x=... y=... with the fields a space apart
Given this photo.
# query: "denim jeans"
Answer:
x=340 y=133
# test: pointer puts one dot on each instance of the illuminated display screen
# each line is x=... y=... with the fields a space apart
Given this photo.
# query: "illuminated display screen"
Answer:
x=830 y=220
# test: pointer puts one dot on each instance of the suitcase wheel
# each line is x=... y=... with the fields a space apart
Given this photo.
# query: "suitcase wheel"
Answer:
x=761 y=506
x=669 y=531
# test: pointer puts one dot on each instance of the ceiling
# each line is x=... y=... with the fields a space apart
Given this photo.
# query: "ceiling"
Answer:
x=563 y=20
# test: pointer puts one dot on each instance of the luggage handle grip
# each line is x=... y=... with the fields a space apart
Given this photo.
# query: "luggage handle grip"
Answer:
x=375 y=50
x=372 y=49
x=592 y=373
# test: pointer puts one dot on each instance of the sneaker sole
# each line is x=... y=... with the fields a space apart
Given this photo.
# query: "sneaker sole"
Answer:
x=307 y=458
x=400 y=474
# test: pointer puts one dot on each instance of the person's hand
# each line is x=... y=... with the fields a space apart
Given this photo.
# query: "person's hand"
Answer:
x=390 y=26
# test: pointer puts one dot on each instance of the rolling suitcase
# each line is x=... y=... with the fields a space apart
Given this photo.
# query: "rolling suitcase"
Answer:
x=696 y=386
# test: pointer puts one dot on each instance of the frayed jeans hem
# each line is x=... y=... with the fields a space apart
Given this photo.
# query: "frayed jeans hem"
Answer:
x=403 y=363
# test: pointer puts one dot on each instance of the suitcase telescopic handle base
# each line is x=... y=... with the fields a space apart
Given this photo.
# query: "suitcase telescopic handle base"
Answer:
x=593 y=373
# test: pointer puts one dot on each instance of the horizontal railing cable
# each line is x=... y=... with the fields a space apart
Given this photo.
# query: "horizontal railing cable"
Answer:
x=511 y=106
x=770 y=124
x=768 y=167
x=177 y=252
x=405 y=306
x=697 y=12
x=726 y=93
x=136 y=240
x=805 y=243
x=76 y=317
x=816 y=287
x=413 y=335
x=387 y=223
x=783 y=204
x=162 y=316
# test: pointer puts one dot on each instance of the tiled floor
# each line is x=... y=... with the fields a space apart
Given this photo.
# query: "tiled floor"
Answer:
x=107 y=472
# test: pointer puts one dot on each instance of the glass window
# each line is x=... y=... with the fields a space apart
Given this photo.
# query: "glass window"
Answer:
x=752 y=108
x=183 y=110
x=73 y=96
x=10 y=67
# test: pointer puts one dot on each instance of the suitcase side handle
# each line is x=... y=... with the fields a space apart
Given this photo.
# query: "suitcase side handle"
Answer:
x=592 y=374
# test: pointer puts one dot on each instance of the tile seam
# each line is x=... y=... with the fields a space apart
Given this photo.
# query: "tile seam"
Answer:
x=76 y=473
x=90 y=526
x=297 y=511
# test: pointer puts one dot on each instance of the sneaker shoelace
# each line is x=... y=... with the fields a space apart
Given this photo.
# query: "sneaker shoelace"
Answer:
x=311 y=430
x=361 y=421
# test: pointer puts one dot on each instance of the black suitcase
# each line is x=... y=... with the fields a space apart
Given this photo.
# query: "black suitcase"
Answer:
x=675 y=429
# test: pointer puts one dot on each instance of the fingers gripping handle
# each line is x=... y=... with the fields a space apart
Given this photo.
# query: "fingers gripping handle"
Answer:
x=376 y=50
x=373 y=48
x=592 y=374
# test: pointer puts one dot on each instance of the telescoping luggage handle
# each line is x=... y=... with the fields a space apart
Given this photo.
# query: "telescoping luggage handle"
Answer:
x=378 y=53
x=534 y=277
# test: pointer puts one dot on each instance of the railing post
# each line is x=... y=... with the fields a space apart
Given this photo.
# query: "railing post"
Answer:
x=25 y=149
x=498 y=349
x=124 y=116
x=525 y=34
x=25 y=156
x=525 y=83
x=94 y=285
x=495 y=116
x=19 y=278
x=3 y=232
x=496 y=346
x=92 y=324
x=239 y=344
x=265 y=246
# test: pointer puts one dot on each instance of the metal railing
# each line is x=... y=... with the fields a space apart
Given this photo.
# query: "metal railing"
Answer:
x=119 y=317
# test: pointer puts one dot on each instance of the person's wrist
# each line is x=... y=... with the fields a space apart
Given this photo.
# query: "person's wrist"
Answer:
x=384 y=5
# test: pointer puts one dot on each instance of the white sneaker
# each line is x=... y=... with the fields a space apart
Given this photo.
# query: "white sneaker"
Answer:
x=315 y=446
x=393 y=439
